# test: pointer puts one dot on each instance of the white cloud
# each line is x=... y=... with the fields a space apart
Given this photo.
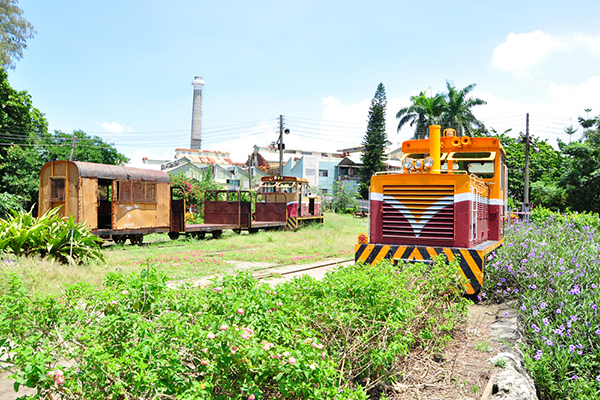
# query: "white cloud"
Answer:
x=523 y=50
x=136 y=155
x=114 y=127
x=548 y=118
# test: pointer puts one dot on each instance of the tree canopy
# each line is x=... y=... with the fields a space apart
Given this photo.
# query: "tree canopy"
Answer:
x=15 y=30
x=450 y=110
x=373 y=153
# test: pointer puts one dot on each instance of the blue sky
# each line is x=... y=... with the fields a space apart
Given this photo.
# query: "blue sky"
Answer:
x=122 y=70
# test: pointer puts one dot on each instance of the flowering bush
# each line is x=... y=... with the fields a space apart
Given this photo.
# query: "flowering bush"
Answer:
x=552 y=267
x=233 y=339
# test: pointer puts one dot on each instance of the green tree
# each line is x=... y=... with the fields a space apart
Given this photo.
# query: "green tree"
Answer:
x=457 y=112
x=544 y=165
x=424 y=111
x=344 y=196
x=21 y=128
x=570 y=130
x=373 y=153
x=58 y=146
x=15 y=30
x=581 y=176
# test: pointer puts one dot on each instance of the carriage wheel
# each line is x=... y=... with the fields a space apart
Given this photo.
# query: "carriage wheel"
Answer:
x=199 y=235
x=136 y=239
x=216 y=234
x=119 y=239
x=174 y=235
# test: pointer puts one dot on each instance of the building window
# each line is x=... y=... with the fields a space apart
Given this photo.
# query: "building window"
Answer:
x=324 y=191
x=57 y=189
x=323 y=172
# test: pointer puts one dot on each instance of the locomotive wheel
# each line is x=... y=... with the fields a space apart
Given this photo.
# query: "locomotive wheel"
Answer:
x=174 y=235
x=199 y=235
x=119 y=239
x=216 y=234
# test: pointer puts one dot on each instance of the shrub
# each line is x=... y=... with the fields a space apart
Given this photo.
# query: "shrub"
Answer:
x=8 y=203
x=50 y=235
x=552 y=266
x=232 y=339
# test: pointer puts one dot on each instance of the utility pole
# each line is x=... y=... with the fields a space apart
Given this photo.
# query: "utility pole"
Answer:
x=282 y=130
x=526 y=187
x=73 y=147
x=280 y=145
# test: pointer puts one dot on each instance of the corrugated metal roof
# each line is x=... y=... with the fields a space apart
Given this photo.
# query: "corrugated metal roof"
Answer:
x=117 y=172
x=209 y=160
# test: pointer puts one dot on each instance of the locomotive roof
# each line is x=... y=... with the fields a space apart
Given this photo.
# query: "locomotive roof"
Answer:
x=117 y=172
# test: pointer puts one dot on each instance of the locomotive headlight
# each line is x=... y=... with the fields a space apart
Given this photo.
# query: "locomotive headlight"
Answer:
x=418 y=164
x=407 y=163
x=428 y=162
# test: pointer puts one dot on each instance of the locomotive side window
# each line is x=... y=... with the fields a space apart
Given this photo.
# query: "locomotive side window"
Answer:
x=57 y=189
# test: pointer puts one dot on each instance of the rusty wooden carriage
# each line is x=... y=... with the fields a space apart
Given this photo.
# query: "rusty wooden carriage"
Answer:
x=116 y=201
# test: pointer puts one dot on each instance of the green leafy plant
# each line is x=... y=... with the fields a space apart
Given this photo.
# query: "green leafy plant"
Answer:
x=50 y=235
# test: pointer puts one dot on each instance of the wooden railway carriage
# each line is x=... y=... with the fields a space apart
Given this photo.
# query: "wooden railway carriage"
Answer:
x=302 y=205
x=448 y=200
x=115 y=201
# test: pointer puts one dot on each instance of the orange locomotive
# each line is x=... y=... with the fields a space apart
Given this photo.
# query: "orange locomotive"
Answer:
x=449 y=199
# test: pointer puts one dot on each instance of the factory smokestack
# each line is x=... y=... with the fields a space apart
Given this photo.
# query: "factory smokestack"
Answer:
x=196 y=142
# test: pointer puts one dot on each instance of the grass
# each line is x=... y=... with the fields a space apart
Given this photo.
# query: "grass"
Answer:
x=188 y=258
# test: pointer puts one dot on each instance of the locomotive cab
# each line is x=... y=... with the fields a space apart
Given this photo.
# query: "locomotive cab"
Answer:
x=302 y=205
x=449 y=199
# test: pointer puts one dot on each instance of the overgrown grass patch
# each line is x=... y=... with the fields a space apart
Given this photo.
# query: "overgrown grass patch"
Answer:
x=552 y=266
x=236 y=338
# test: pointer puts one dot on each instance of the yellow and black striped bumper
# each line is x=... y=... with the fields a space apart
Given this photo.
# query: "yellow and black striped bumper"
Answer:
x=291 y=224
x=472 y=261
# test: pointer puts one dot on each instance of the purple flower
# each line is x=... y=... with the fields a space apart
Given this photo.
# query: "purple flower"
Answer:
x=549 y=343
x=558 y=311
x=546 y=322
x=571 y=348
x=543 y=305
x=538 y=355
x=575 y=377
x=535 y=328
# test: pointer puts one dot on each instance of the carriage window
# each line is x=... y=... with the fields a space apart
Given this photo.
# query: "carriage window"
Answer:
x=136 y=191
x=150 y=192
x=57 y=189
x=124 y=191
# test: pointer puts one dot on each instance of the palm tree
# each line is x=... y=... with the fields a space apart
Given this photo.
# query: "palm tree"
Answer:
x=457 y=113
x=423 y=111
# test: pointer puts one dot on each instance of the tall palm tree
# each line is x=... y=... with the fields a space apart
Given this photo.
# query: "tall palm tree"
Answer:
x=457 y=113
x=423 y=111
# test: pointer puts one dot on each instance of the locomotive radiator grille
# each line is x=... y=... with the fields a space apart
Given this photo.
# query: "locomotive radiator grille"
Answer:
x=418 y=211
